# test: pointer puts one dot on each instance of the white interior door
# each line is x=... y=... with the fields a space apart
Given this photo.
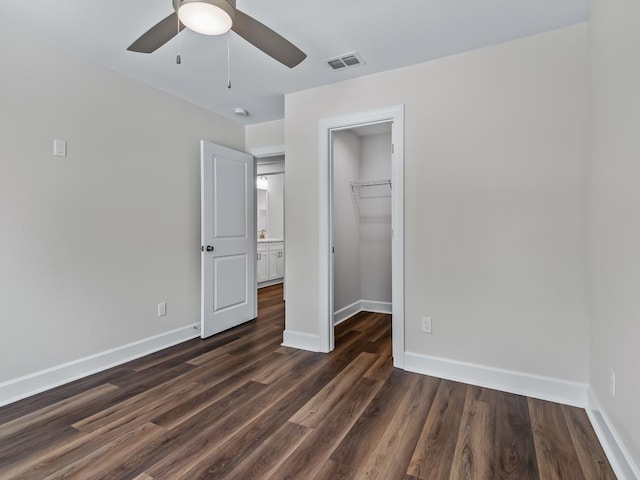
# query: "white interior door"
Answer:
x=229 y=295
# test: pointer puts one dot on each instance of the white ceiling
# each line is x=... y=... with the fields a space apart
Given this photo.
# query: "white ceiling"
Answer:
x=387 y=34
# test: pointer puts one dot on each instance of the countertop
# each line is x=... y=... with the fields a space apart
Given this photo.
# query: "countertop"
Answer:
x=270 y=240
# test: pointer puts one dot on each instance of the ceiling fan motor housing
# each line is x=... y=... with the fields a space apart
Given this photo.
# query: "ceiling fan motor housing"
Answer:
x=229 y=6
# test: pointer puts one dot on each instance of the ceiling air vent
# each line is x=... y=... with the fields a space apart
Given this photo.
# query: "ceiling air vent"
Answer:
x=346 y=60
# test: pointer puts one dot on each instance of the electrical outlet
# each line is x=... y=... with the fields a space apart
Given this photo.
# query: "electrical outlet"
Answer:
x=612 y=383
x=162 y=309
x=60 y=148
x=426 y=324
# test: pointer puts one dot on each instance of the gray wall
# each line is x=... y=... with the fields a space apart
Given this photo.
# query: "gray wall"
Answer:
x=267 y=134
x=92 y=242
x=494 y=201
x=614 y=214
x=375 y=221
x=346 y=237
x=275 y=206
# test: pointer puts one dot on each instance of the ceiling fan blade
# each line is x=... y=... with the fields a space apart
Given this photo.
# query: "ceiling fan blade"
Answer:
x=267 y=40
x=157 y=36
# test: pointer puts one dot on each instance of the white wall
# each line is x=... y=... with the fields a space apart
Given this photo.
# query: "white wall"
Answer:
x=375 y=219
x=494 y=213
x=346 y=236
x=267 y=134
x=614 y=214
x=92 y=242
x=275 y=205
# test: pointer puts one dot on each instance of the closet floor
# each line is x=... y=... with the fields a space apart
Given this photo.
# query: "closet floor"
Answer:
x=240 y=406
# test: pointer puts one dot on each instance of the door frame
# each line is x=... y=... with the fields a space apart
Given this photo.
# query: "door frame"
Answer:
x=267 y=152
x=327 y=126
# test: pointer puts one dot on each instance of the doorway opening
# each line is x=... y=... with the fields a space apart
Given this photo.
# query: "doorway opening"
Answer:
x=270 y=245
x=361 y=221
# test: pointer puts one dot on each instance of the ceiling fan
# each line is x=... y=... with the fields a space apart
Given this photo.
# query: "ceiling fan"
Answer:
x=215 y=17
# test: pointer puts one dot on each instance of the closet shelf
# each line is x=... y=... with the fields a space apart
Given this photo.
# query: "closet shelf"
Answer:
x=360 y=191
x=369 y=183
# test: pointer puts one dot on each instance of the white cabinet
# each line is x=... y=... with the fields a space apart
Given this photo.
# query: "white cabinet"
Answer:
x=262 y=269
x=270 y=261
x=276 y=260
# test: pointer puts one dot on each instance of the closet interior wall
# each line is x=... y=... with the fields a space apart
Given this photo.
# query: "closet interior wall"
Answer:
x=361 y=223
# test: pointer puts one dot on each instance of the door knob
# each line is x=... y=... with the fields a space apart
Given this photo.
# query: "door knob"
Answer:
x=208 y=248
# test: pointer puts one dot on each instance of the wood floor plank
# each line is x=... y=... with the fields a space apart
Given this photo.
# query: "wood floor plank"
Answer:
x=474 y=454
x=357 y=323
x=226 y=366
x=234 y=451
x=318 y=407
x=271 y=453
x=46 y=399
x=383 y=367
x=159 y=446
x=515 y=457
x=46 y=428
x=56 y=458
x=248 y=341
x=370 y=426
x=177 y=465
x=150 y=378
x=183 y=353
x=140 y=408
x=593 y=460
x=209 y=397
x=433 y=455
x=392 y=454
x=556 y=455
x=144 y=476
x=272 y=371
x=206 y=435
x=309 y=458
x=54 y=411
x=334 y=471
x=101 y=463
x=19 y=456
x=381 y=326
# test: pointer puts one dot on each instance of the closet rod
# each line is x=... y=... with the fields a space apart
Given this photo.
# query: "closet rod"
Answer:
x=370 y=183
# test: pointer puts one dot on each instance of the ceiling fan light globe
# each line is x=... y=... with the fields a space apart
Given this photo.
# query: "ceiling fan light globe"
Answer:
x=205 y=18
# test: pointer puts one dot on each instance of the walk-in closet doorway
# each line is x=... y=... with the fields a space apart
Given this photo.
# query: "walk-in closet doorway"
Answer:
x=361 y=221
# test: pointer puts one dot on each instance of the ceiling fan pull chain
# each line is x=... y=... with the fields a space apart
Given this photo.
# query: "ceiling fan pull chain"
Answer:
x=178 y=57
x=229 y=59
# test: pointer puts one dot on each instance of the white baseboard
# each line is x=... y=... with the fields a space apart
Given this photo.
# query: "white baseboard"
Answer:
x=544 y=388
x=23 y=387
x=376 y=307
x=270 y=283
x=301 y=341
x=360 y=306
x=347 y=312
x=618 y=455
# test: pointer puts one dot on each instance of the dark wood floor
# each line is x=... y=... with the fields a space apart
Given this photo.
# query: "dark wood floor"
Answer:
x=240 y=406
